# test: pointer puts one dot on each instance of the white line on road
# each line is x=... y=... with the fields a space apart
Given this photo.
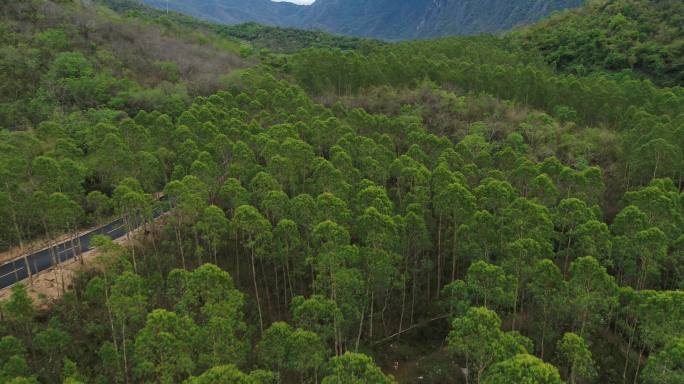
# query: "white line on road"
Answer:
x=115 y=229
x=12 y=273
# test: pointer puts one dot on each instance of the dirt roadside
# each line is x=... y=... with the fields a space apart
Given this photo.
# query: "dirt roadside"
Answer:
x=40 y=244
x=48 y=286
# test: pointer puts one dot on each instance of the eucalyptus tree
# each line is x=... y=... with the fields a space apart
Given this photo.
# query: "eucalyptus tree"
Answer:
x=300 y=157
x=627 y=223
x=416 y=243
x=13 y=361
x=457 y=205
x=133 y=203
x=276 y=206
x=380 y=237
x=99 y=206
x=213 y=227
x=522 y=368
x=547 y=293
x=19 y=312
x=292 y=352
x=665 y=366
x=592 y=293
x=519 y=261
x=232 y=195
x=128 y=303
x=12 y=197
x=354 y=368
x=320 y=315
x=65 y=216
x=164 y=350
x=489 y=286
x=256 y=233
x=576 y=357
x=188 y=197
x=544 y=190
x=112 y=159
x=208 y=295
x=477 y=337
x=231 y=374
x=288 y=253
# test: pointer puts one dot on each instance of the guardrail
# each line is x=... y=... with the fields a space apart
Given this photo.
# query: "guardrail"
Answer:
x=18 y=269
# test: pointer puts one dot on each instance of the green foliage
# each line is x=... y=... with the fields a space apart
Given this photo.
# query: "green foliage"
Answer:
x=230 y=374
x=522 y=368
x=59 y=68
x=354 y=218
x=163 y=347
x=354 y=368
x=294 y=351
x=573 y=351
x=288 y=40
x=477 y=337
x=630 y=37
x=665 y=366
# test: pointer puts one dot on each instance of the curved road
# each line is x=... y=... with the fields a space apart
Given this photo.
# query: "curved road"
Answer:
x=15 y=271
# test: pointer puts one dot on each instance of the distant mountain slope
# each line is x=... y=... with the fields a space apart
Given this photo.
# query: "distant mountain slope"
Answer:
x=388 y=19
x=235 y=11
x=251 y=34
x=645 y=37
x=427 y=18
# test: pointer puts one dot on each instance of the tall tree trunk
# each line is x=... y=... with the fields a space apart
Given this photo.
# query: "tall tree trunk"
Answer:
x=130 y=243
x=180 y=244
x=256 y=295
x=413 y=295
x=277 y=288
x=453 y=256
x=53 y=253
x=439 y=256
x=543 y=335
x=267 y=289
x=197 y=245
x=515 y=305
x=285 y=296
x=629 y=349
x=403 y=309
x=111 y=325
x=123 y=347
x=641 y=354
x=370 y=319
x=289 y=278
x=358 y=336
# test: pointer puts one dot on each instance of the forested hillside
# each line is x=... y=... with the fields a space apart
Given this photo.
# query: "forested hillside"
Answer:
x=68 y=56
x=640 y=37
x=439 y=211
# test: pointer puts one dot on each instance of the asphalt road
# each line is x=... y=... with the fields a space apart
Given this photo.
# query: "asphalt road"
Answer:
x=16 y=270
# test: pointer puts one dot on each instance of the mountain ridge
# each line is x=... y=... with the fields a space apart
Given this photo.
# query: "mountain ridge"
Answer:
x=386 y=19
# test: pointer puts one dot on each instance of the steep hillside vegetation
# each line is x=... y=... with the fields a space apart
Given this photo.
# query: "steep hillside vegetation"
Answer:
x=644 y=38
x=72 y=55
x=386 y=19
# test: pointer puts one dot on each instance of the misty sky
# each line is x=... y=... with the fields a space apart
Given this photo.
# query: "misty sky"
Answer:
x=298 y=1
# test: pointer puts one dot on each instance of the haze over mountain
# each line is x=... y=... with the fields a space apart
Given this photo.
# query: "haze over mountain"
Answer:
x=387 y=19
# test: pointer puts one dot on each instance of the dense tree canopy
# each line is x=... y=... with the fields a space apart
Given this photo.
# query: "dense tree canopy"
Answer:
x=329 y=215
